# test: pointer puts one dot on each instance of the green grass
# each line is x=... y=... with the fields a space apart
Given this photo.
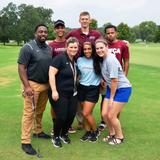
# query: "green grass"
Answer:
x=140 y=117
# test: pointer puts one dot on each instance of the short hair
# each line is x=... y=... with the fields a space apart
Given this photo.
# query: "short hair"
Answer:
x=84 y=13
x=72 y=40
x=40 y=25
x=110 y=26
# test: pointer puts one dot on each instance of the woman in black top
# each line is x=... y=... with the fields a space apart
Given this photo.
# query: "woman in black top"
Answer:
x=63 y=93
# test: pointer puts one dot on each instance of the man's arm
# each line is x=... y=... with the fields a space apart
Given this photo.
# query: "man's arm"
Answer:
x=23 y=76
x=126 y=66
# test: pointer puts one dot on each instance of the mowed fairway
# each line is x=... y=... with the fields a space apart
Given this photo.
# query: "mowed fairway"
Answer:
x=140 y=118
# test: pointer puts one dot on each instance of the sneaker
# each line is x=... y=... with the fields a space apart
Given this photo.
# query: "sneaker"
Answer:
x=71 y=130
x=102 y=126
x=94 y=137
x=86 y=136
x=56 y=142
x=41 y=135
x=27 y=148
x=52 y=132
x=65 y=139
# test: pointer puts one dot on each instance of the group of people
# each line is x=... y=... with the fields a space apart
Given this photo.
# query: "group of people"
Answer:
x=71 y=71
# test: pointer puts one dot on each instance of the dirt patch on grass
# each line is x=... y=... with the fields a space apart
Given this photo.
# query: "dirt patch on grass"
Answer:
x=5 y=72
x=6 y=81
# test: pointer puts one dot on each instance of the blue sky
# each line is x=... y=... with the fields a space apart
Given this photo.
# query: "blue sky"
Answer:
x=132 y=12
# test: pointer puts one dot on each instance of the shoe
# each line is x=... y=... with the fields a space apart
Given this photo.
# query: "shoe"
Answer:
x=27 y=148
x=108 y=138
x=52 y=132
x=94 y=137
x=102 y=126
x=116 y=141
x=86 y=136
x=65 y=139
x=80 y=126
x=71 y=130
x=41 y=135
x=56 y=142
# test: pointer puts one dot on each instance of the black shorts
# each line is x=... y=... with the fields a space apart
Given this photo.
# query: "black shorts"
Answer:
x=88 y=93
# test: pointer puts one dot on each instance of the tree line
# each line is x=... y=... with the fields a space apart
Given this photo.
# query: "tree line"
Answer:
x=18 y=22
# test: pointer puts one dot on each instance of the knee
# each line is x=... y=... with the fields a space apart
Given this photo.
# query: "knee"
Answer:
x=86 y=114
x=111 y=116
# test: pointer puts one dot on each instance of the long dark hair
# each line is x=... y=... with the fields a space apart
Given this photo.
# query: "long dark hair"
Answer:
x=96 y=64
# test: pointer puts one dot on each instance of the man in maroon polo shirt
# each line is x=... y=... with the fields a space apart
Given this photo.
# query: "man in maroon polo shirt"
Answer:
x=84 y=33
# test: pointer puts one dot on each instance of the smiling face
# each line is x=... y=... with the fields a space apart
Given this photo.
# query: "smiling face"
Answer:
x=84 y=21
x=41 y=34
x=87 y=49
x=101 y=49
x=59 y=30
x=72 y=49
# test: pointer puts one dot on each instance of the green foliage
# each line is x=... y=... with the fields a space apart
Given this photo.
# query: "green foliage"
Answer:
x=139 y=117
x=93 y=23
x=18 y=23
x=148 y=30
x=123 y=31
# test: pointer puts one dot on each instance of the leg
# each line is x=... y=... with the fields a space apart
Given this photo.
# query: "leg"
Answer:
x=87 y=113
x=112 y=116
x=105 y=111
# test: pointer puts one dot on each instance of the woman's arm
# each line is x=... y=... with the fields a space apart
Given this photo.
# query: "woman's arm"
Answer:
x=114 y=84
x=52 y=81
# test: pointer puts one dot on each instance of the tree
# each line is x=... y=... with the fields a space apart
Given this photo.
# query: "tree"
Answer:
x=148 y=30
x=8 y=21
x=157 y=35
x=30 y=17
x=93 y=23
x=123 y=31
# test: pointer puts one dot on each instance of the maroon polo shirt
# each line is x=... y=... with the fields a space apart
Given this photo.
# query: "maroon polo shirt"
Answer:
x=91 y=36
x=58 y=47
x=120 y=50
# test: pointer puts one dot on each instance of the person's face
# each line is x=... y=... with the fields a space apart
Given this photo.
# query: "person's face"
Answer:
x=59 y=30
x=87 y=49
x=72 y=49
x=111 y=34
x=84 y=21
x=41 y=34
x=101 y=49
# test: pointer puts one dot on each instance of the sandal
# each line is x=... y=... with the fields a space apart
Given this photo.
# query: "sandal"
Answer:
x=115 y=141
x=108 y=138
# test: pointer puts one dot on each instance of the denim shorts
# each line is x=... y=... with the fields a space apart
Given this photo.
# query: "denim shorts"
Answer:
x=121 y=95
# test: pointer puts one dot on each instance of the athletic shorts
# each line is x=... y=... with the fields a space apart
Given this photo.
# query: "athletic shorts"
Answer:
x=88 y=93
x=121 y=95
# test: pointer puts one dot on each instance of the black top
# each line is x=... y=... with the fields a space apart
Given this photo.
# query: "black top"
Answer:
x=65 y=77
x=37 y=57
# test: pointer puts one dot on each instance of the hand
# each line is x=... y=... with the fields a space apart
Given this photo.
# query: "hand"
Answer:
x=55 y=95
x=28 y=91
x=103 y=84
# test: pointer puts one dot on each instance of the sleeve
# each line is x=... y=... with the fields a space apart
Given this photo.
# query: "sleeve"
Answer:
x=113 y=67
x=25 y=55
x=125 y=53
x=69 y=34
x=57 y=62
